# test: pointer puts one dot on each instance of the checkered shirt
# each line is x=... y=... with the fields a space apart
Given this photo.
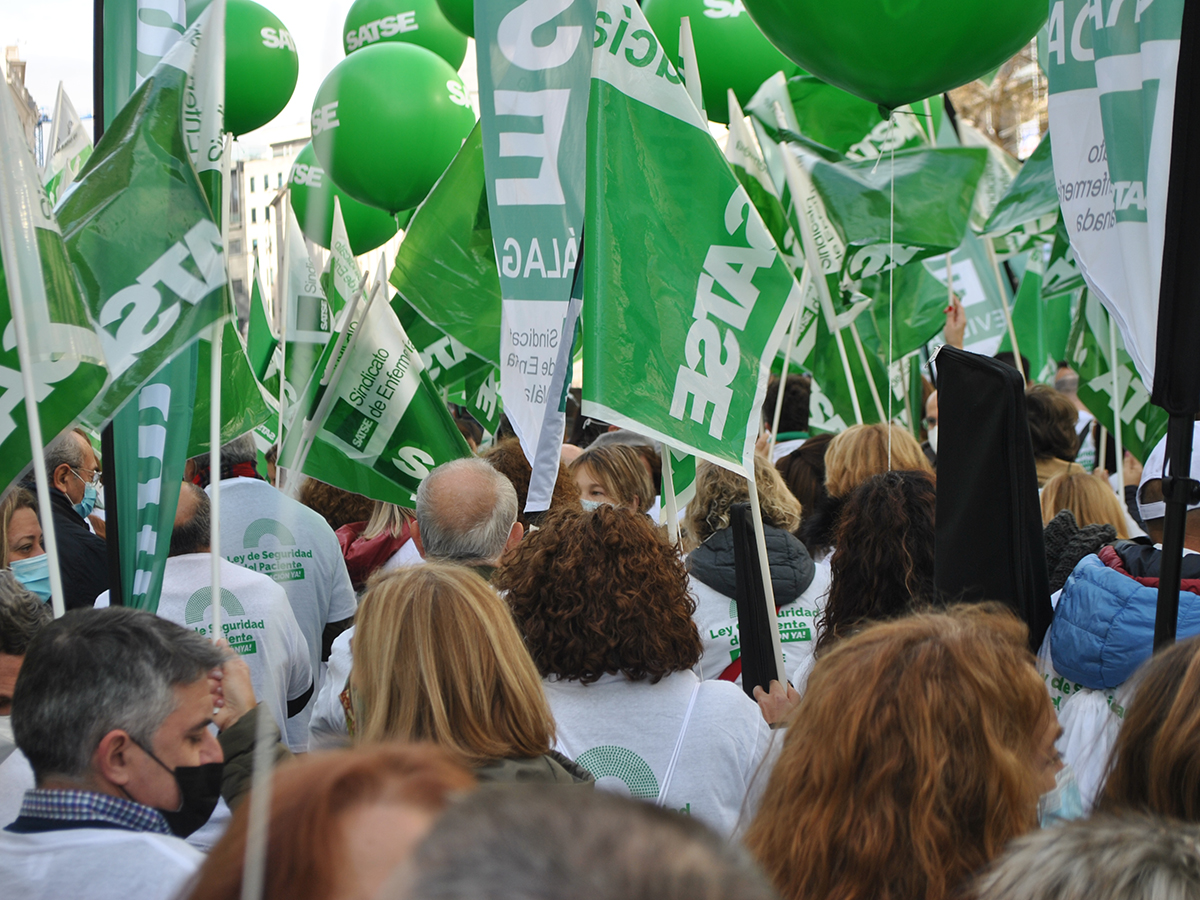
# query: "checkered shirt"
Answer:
x=90 y=806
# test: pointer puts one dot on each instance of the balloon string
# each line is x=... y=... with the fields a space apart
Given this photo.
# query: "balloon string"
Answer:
x=891 y=281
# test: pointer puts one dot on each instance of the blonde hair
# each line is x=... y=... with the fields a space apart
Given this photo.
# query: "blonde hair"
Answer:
x=861 y=452
x=387 y=518
x=718 y=489
x=438 y=658
x=619 y=468
x=1092 y=502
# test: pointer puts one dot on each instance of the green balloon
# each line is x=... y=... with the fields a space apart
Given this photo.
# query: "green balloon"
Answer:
x=893 y=52
x=419 y=22
x=387 y=121
x=461 y=14
x=312 y=193
x=261 y=66
x=730 y=50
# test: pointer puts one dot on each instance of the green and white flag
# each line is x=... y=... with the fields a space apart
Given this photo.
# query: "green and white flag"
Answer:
x=1112 y=73
x=1089 y=350
x=308 y=318
x=1062 y=272
x=683 y=476
x=1043 y=325
x=140 y=232
x=67 y=149
x=68 y=362
x=343 y=275
x=447 y=360
x=481 y=397
x=534 y=77
x=678 y=322
x=997 y=177
x=446 y=266
x=1029 y=209
x=261 y=342
x=380 y=426
x=245 y=403
x=976 y=286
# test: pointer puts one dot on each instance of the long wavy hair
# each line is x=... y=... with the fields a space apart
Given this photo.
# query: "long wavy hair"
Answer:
x=718 y=489
x=908 y=764
x=883 y=565
x=601 y=592
x=1155 y=763
x=437 y=658
x=861 y=451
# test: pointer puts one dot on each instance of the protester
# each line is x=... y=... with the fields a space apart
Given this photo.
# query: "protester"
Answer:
x=521 y=845
x=507 y=458
x=1067 y=542
x=82 y=556
x=798 y=585
x=917 y=752
x=647 y=448
x=266 y=531
x=803 y=472
x=602 y=601
x=426 y=639
x=613 y=474
x=883 y=565
x=112 y=711
x=335 y=506
x=1066 y=382
x=1155 y=763
x=793 y=414
x=256 y=618
x=466 y=514
x=858 y=453
x=22 y=616
x=384 y=541
x=1104 y=858
x=22 y=548
x=339 y=823
x=1052 y=420
x=930 y=424
x=468 y=426
x=1090 y=500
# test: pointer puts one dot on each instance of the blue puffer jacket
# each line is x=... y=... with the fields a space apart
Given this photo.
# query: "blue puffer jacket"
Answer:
x=1103 y=626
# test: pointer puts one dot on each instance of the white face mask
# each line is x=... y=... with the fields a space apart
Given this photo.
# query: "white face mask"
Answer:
x=933 y=438
x=7 y=742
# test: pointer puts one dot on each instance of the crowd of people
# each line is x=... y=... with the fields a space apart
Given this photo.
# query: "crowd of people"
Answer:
x=467 y=699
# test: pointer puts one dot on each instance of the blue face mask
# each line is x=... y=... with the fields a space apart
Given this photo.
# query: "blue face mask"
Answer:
x=34 y=574
x=85 y=506
x=1062 y=804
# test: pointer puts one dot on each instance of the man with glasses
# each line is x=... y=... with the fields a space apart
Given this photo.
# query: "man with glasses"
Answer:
x=75 y=486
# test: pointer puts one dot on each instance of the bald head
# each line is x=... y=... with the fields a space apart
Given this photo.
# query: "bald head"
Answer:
x=466 y=512
x=193 y=522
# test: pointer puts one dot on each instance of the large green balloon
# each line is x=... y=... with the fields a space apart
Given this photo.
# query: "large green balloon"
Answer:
x=261 y=66
x=730 y=50
x=893 y=52
x=461 y=14
x=387 y=121
x=419 y=22
x=312 y=193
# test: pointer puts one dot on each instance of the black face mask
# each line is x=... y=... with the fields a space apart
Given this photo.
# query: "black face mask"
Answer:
x=200 y=788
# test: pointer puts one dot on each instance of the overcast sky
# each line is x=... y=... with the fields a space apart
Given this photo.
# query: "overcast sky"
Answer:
x=55 y=40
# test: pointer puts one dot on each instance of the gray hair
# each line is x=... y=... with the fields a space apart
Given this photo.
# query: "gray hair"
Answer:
x=627 y=438
x=465 y=511
x=97 y=670
x=561 y=845
x=66 y=448
x=194 y=535
x=22 y=615
x=1126 y=858
x=239 y=450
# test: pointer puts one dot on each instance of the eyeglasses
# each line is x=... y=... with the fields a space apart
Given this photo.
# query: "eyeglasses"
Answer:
x=94 y=481
x=929 y=422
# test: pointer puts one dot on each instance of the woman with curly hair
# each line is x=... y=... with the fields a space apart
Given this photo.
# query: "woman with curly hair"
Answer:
x=918 y=752
x=883 y=565
x=799 y=586
x=602 y=601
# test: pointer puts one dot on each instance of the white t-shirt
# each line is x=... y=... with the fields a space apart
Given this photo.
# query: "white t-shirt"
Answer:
x=268 y=532
x=407 y=555
x=327 y=728
x=624 y=732
x=258 y=622
x=96 y=863
x=716 y=619
x=16 y=777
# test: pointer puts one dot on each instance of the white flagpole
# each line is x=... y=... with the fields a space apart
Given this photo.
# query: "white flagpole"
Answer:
x=670 y=508
x=862 y=358
x=805 y=281
x=760 y=538
x=214 y=460
x=1118 y=440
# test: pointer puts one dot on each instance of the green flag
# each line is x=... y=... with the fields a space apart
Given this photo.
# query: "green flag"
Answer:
x=380 y=426
x=683 y=476
x=1031 y=198
x=677 y=323
x=141 y=235
x=260 y=340
x=481 y=397
x=67 y=149
x=66 y=354
x=1089 y=350
x=308 y=317
x=446 y=266
x=1062 y=273
x=245 y=405
x=447 y=360
x=1043 y=325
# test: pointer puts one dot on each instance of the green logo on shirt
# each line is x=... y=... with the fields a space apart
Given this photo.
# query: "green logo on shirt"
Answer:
x=616 y=762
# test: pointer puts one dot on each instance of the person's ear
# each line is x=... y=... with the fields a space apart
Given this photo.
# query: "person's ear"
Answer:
x=113 y=760
x=189 y=470
x=514 y=535
x=61 y=476
x=415 y=531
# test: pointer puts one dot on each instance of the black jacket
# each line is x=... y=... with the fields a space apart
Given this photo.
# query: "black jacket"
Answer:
x=792 y=569
x=82 y=556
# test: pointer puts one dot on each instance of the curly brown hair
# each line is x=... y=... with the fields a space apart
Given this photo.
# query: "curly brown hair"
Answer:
x=507 y=458
x=718 y=490
x=337 y=507
x=601 y=593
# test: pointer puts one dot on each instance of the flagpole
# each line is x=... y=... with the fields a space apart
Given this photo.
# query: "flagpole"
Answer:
x=670 y=508
x=764 y=564
x=17 y=306
x=1118 y=439
x=805 y=282
x=1008 y=319
x=862 y=358
x=283 y=314
x=214 y=459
